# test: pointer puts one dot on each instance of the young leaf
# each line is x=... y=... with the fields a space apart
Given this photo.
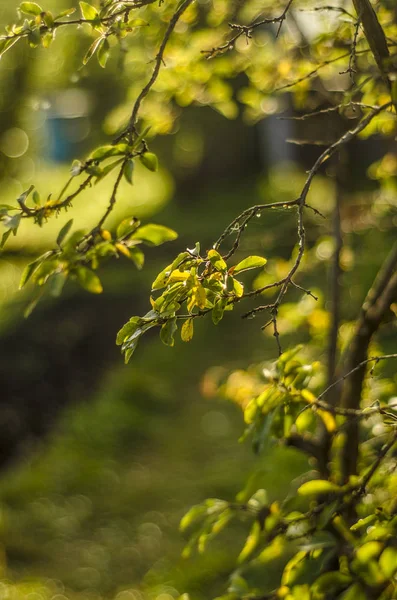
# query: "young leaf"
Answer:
x=103 y=52
x=109 y=150
x=149 y=160
x=154 y=235
x=127 y=227
x=66 y=13
x=5 y=237
x=88 y=12
x=88 y=280
x=91 y=50
x=216 y=260
x=129 y=170
x=317 y=487
x=251 y=262
x=30 y=269
x=128 y=329
x=64 y=232
x=187 y=330
x=30 y=8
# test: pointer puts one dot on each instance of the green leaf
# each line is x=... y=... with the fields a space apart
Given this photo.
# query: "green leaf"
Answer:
x=34 y=38
x=363 y=522
x=48 y=19
x=30 y=8
x=140 y=137
x=28 y=272
x=31 y=268
x=32 y=305
x=108 y=169
x=89 y=280
x=251 y=262
x=128 y=329
x=216 y=260
x=354 y=592
x=137 y=257
x=167 y=332
x=109 y=150
x=64 y=232
x=251 y=542
x=187 y=330
x=161 y=279
x=154 y=235
x=238 y=288
x=5 y=237
x=218 y=310
x=4 y=208
x=317 y=487
x=91 y=50
x=103 y=52
x=55 y=284
x=388 y=561
x=12 y=223
x=127 y=226
x=88 y=12
x=331 y=582
x=45 y=269
x=66 y=13
x=195 y=514
x=36 y=198
x=149 y=160
x=129 y=170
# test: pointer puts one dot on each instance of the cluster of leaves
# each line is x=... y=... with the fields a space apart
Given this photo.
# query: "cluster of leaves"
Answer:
x=325 y=539
x=78 y=255
x=201 y=284
x=38 y=26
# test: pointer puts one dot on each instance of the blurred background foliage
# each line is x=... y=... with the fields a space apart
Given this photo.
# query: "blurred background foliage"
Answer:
x=100 y=461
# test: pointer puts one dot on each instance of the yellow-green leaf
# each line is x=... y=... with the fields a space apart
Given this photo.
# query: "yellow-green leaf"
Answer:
x=103 y=52
x=30 y=8
x=88 y=11
x=89 y=280
x=149 y=160
x=154 y=235
x=64 y=232
x=318 y=486
x=167 y=332
x=187 y=330
x=251 y=262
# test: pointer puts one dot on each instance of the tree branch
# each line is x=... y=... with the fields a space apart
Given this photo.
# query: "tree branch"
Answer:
x=381 y=295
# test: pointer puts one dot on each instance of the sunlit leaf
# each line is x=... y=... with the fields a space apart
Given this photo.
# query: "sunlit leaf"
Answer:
x=251 y=262
x=149 y=160
x=317 y=487
x=109 y=150
x=88 y=11
x=30 y=8
x=154 y=235
x=103 y=52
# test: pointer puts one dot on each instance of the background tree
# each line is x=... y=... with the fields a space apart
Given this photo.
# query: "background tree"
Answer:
x=333 y=534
